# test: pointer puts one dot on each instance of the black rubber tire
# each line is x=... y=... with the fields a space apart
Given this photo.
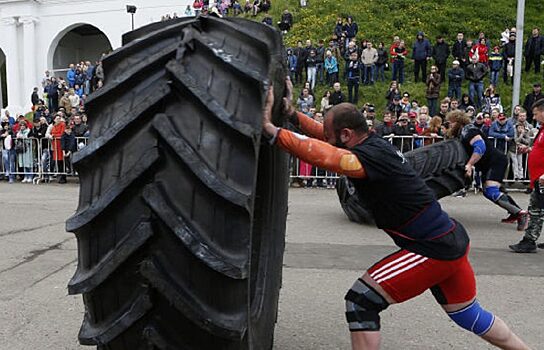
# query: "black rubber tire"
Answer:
x=353 y=207
x=441 y=165
x=182 y=209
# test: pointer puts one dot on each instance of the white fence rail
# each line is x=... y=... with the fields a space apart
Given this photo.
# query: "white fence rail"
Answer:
x=38 y=159
x=308 y=175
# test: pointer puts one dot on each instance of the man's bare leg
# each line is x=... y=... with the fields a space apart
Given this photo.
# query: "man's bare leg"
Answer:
x=502 y=337
x=499 y=335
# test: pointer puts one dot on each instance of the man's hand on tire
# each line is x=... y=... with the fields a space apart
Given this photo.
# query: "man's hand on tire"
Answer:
x=268 y=128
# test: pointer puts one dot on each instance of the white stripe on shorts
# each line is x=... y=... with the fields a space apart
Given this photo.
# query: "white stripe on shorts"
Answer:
x=397 y=266
x=406 y=256
x=402 y=270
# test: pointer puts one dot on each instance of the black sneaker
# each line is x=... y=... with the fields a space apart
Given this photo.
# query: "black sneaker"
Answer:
x=524 y=246
x=540 y=245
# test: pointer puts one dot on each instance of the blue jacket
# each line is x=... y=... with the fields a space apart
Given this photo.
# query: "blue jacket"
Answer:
x=71 y=76
x=292 y=62
x=421 y=49
x=331 y=65
x=495 y=62
x=500 y=132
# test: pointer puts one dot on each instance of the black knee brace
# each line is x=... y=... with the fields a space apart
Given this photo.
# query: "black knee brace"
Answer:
x=363 y=307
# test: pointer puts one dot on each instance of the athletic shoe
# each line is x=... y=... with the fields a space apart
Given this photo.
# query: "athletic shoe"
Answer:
x=524 y=246
x=523 y=220
x=540 y=245
x=510 y=219
x=462 y=193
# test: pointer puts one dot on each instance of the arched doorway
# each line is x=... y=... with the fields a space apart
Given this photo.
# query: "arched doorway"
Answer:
x=3 y=81
x=79 y=42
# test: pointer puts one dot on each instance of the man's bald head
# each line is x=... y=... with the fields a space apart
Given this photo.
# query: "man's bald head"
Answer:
x=344 y=122
x=346 y=116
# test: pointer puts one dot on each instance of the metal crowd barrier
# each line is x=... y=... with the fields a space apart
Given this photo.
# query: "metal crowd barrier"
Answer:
x=307 y=175
x=39 y=160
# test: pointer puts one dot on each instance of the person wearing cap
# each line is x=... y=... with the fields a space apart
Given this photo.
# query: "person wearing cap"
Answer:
x=404 y=131
x=456 y=75
x=531 y=99
x=536 y=203
x=480 y=124
x=370 y=112
x=489 y=161
x=470 y=110
x=434 y=248
x=534 y=47
x=495 y=65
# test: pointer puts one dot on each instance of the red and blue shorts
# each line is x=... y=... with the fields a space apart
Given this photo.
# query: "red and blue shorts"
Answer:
x=404 y=275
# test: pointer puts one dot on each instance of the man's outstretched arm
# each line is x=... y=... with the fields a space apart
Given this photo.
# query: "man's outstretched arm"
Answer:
x=320 y=154
x=308 y=125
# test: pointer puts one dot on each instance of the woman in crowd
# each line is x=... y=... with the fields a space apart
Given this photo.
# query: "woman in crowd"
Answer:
x=24 y=148
x=57 y=130
x=492 y=100
x=325 y=102
x=392 y=92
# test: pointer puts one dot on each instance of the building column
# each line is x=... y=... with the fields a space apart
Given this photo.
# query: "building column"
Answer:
x=13 y=77
x=29 y=58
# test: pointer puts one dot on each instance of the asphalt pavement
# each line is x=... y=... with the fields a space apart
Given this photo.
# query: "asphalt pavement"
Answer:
x=325 y=253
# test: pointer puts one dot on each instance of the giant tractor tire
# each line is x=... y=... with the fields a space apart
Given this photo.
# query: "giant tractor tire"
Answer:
x=441 y=165
x=182 y=208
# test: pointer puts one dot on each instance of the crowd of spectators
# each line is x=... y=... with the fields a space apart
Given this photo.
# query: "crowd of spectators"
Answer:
x=228 y=7
x=47 y=137
x=411 y=123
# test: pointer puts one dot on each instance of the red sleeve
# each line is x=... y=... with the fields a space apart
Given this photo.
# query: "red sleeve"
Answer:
x=321 y=154
x=310 y=126
x=392 y=51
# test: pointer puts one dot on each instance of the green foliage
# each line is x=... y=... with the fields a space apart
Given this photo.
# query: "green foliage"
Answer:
x=380 y=20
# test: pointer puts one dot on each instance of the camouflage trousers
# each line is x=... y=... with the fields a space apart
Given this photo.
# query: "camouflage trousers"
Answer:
x=536 y=218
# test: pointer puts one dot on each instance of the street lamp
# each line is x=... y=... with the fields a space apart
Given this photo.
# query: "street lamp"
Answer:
x=132 y=10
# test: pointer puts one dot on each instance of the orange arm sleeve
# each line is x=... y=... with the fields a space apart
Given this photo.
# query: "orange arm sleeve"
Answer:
x=321 y=154
x=310 y=127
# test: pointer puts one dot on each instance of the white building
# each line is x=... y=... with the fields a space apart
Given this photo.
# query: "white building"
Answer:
x=40 y=35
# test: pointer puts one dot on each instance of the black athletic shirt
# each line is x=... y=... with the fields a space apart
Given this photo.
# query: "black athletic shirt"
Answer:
x=403 y=205
x=467 y=134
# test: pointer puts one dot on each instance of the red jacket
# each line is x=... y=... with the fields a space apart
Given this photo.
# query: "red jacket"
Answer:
x=16 y=126
x=481 y=50
x=536 y=158
x=57 y=132
x=392 y=53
